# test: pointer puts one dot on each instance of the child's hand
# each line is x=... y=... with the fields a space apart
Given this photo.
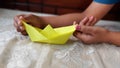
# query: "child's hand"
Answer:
x=88 y=21
x=30 y=19
x=91 y=34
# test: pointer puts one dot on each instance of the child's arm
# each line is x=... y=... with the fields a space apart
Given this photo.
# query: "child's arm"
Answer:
x=96 y=10
x=114 y=38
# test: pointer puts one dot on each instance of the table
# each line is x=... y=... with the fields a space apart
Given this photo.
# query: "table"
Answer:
x=17 y=51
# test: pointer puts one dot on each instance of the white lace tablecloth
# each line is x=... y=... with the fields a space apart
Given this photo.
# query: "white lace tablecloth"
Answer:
x=17 y=51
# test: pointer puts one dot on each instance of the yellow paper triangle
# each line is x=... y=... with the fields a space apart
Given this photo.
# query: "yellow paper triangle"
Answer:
x=50 y=35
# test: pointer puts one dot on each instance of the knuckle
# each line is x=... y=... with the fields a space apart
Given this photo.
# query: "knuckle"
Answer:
x=18 y=30
x=24 y=33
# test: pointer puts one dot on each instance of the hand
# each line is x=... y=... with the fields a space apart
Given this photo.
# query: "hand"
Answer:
x=30 y=19
x=91 y=34
x=88 y=21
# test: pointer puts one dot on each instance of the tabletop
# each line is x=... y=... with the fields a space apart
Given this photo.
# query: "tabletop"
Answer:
x=17 y=51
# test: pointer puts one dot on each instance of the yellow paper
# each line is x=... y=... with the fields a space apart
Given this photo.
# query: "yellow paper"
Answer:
x=49 y=35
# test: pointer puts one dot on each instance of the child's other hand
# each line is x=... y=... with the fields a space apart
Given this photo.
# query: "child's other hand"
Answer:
x=91 y=34
x=30 y=19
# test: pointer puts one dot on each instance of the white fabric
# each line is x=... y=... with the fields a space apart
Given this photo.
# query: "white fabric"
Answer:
x=17 y=51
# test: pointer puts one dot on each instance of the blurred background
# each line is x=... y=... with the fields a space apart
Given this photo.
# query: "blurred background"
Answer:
x=57 y=7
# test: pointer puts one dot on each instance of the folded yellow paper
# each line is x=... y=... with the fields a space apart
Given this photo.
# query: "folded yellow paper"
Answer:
x=49 y=35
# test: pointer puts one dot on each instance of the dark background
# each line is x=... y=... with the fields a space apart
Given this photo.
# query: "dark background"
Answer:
x=57 y=7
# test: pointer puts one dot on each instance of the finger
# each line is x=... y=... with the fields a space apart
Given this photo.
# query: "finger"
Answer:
x=84 y=21
x=17 y=18
x=23 y=18
x=75 y=33
x=22 y=28
x=17 y=27
x=27 y=18
x=91 y=19
x=94 y=21
x=78 y=35
x=18 y=23
x=86 y=29
x=74 y=23
x=24 y=32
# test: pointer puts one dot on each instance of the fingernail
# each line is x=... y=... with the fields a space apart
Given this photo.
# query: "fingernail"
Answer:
x=77 y=27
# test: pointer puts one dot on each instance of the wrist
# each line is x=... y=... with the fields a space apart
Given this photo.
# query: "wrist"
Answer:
x=42 y=22
x=108 y=37
x=114 y=38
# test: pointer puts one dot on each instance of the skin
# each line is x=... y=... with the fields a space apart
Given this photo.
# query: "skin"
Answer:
x=114 y=38
x=96 y=10
x=85 y=30
x=92 y=34
x=96 y=34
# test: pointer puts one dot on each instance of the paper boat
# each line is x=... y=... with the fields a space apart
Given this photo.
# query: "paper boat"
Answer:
x=50 y=35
